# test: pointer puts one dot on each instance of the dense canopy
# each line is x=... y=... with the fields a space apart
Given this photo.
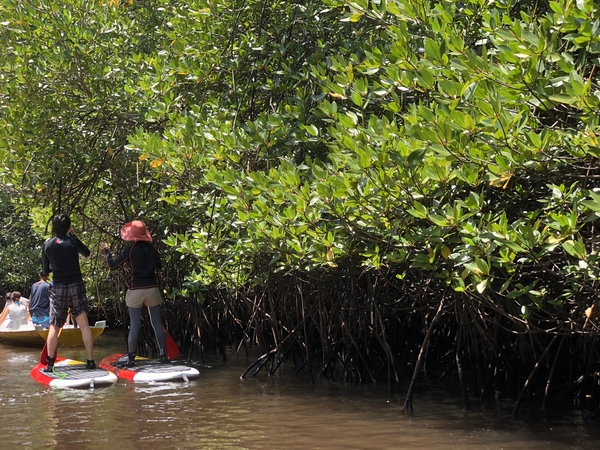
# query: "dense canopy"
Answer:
x=362 y=185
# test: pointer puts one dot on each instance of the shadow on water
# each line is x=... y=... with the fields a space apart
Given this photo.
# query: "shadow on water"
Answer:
x=221 y=411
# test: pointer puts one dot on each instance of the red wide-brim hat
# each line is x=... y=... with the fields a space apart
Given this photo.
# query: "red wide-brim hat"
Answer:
x=135 y=231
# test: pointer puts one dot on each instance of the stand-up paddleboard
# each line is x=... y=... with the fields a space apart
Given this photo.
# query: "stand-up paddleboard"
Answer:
x=73 y=374
x=146 y=370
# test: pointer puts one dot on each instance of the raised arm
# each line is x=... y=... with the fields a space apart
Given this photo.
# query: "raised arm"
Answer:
x=121 y=259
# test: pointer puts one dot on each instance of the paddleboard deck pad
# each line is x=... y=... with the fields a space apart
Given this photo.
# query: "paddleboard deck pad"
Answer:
x=147 y=370
x=73 y=374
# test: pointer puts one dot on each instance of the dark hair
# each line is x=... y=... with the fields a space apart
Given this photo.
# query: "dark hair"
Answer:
x=15 y=296
x=61 y=224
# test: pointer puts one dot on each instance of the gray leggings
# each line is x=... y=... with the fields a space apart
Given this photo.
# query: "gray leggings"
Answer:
x=135 y=317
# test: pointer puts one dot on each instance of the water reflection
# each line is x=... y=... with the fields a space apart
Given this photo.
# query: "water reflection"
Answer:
x=220 y=411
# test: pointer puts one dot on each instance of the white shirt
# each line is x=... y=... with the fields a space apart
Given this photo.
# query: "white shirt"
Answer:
x=17 y=316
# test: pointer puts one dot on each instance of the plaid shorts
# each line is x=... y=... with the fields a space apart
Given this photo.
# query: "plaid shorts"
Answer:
x=64 y=296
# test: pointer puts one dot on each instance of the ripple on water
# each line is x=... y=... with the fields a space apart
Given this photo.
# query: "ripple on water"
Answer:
x=220 y=411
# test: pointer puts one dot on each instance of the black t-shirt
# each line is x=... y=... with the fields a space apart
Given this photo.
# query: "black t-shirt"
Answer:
x=60 y=255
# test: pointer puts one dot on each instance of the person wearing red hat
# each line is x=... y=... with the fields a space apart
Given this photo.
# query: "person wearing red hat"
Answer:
x=142 y=258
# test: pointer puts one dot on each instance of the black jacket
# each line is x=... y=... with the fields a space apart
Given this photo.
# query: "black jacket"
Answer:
x=142 y=259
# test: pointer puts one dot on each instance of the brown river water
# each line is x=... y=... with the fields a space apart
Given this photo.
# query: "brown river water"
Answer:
x=221 y=411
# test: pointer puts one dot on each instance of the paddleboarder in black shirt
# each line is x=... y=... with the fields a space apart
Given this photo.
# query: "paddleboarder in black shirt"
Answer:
x=60 y=255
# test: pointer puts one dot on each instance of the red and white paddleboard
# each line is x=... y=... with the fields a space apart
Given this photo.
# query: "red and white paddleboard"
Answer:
x=147 y=370
x=73 y=374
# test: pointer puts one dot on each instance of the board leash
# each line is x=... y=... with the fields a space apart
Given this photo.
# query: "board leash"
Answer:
x=60 y=375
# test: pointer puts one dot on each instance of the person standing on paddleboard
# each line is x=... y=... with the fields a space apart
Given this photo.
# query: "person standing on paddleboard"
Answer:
x=60 y=255
x=142 y=258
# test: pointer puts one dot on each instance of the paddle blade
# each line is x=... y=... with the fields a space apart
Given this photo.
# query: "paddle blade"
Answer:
x=44 y=353
x=172 y=350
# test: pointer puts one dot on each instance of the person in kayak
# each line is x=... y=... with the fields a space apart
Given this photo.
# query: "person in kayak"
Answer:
x=17 y=314
x=39 y=304
x=142 y=258
x=60 y=255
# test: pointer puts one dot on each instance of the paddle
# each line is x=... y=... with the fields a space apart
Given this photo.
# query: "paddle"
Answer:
x=172 y=350
x=45 y=350
x=44 y=355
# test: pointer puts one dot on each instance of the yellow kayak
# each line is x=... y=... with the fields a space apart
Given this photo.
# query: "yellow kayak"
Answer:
x=28 y=335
